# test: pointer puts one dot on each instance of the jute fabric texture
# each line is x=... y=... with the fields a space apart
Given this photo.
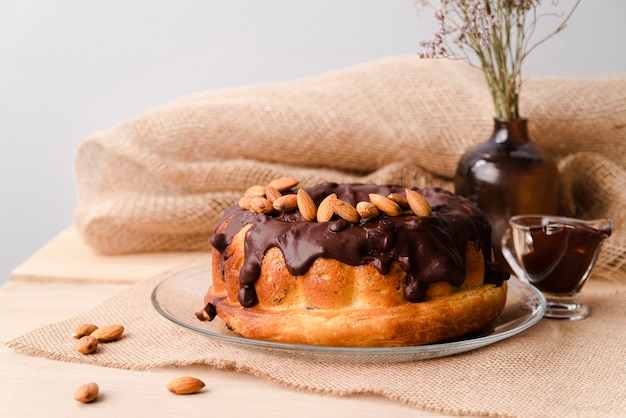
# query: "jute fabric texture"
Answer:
x=555 y=368
x=160 y=181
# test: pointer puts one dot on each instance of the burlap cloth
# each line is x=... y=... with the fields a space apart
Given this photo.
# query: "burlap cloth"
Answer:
x=160 y=182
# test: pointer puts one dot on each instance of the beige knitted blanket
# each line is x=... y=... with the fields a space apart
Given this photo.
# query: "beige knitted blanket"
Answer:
x=160 y=181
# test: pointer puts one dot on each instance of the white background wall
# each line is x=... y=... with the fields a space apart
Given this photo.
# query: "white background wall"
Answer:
x=69 y=68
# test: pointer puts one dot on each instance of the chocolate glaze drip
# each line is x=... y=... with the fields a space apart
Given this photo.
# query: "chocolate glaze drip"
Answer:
x=430 y=248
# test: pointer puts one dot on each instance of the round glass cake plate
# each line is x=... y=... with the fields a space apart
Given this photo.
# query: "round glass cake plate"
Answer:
x=180 y=296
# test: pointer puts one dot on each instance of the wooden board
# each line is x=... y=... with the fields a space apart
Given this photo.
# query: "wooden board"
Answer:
x=68 y=259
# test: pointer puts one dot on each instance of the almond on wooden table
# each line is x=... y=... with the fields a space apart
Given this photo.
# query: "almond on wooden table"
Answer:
x=87 y=392
x=185 y=385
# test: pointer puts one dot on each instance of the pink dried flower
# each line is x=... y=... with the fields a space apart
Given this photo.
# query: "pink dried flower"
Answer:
x=493 y=35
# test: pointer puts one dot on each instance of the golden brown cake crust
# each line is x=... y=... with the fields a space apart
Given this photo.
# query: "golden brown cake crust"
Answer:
x=335 y=304
x=465 y=311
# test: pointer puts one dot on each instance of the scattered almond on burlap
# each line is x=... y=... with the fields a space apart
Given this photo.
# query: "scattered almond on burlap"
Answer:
x=108 y=333
x=82 y=330
x=87 y=344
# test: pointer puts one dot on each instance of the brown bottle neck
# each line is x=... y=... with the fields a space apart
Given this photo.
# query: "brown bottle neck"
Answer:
x=510 y=131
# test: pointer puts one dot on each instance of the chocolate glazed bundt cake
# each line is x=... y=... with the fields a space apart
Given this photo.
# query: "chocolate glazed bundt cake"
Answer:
x=357 y=265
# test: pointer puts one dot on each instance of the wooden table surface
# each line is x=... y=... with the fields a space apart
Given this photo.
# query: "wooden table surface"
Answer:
x=65 y=278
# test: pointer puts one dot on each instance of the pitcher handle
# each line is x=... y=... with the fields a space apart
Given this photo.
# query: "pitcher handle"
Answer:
x=508 y=251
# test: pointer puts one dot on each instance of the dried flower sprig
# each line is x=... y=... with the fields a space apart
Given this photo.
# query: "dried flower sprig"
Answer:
x=493 y=35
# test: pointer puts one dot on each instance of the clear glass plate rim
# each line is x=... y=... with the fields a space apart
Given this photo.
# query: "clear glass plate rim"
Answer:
x=455 y=346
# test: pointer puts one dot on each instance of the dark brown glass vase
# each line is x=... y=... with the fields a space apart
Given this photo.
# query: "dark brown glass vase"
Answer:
x=508 y=175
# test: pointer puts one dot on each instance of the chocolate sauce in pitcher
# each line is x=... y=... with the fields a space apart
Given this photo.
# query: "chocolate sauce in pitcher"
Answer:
x=561 y=255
